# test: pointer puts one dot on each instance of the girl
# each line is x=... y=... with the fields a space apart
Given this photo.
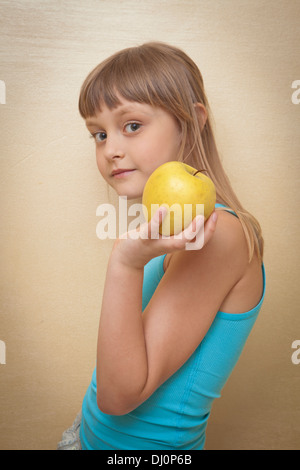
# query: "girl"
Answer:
x=173 y=322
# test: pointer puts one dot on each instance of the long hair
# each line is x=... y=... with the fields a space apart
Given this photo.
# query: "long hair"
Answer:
x=162 y=75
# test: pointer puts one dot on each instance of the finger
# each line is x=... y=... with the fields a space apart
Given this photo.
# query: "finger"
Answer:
x=151 y=229
x=204 y=233
x=156 y=221
x=210 y=226
x=195 y=233
x=195 y=226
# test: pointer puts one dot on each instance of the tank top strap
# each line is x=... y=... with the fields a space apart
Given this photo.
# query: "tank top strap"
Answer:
x=228 y=209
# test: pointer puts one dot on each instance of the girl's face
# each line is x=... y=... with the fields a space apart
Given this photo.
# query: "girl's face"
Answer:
x=132 y=140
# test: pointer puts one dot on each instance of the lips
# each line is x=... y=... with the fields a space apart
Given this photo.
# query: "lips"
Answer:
x=121 y=171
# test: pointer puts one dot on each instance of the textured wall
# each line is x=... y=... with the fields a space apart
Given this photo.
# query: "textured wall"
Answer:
x=53 y=265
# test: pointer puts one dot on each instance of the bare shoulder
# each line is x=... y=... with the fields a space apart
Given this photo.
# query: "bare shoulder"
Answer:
x=247 y=281
x=229 y=236
x=223 y=263
x=228 y=244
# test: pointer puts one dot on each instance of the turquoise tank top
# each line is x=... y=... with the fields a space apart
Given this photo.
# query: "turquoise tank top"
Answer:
x=175 y=416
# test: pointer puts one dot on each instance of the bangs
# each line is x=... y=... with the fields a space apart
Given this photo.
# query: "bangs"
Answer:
x=135 y=75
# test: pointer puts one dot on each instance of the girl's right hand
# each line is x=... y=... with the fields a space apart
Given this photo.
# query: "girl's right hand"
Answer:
x=137 y=247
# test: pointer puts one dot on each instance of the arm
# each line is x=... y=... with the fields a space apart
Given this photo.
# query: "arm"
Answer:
x=122 y=365
x=136 y=353
x=121 y=353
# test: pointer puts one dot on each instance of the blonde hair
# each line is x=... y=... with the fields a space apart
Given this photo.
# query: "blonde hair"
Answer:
x=162 y=75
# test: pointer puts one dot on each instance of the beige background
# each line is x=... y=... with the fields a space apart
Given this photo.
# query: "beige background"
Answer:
x=53 y=265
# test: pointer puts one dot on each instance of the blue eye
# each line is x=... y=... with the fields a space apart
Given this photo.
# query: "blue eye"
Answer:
x=99 y=136
x=132 y=127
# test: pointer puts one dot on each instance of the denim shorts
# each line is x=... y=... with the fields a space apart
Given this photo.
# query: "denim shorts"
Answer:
x=70 y=439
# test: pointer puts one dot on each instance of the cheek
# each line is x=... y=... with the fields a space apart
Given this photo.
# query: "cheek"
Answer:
x=162 y=151
x=167 y=150
x=171 y=141
x=100 y=166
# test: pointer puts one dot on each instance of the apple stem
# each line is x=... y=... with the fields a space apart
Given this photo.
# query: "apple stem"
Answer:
x=198 y=171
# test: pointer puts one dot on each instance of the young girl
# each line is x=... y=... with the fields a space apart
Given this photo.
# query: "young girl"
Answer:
x=173 y=321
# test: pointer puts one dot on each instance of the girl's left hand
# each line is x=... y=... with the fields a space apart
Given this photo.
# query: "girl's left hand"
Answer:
x=137 y=247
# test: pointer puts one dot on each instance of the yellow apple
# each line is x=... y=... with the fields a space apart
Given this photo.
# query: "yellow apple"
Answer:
x=184 y=190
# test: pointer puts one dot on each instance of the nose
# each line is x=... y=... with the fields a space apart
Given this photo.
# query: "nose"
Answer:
x=113 y=148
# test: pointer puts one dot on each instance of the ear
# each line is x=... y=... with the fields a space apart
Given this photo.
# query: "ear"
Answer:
x=202 y=114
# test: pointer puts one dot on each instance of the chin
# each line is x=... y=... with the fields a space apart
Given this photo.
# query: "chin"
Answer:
x=131 y=196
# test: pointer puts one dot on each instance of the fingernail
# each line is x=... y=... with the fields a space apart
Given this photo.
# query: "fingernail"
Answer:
x=214 y=216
